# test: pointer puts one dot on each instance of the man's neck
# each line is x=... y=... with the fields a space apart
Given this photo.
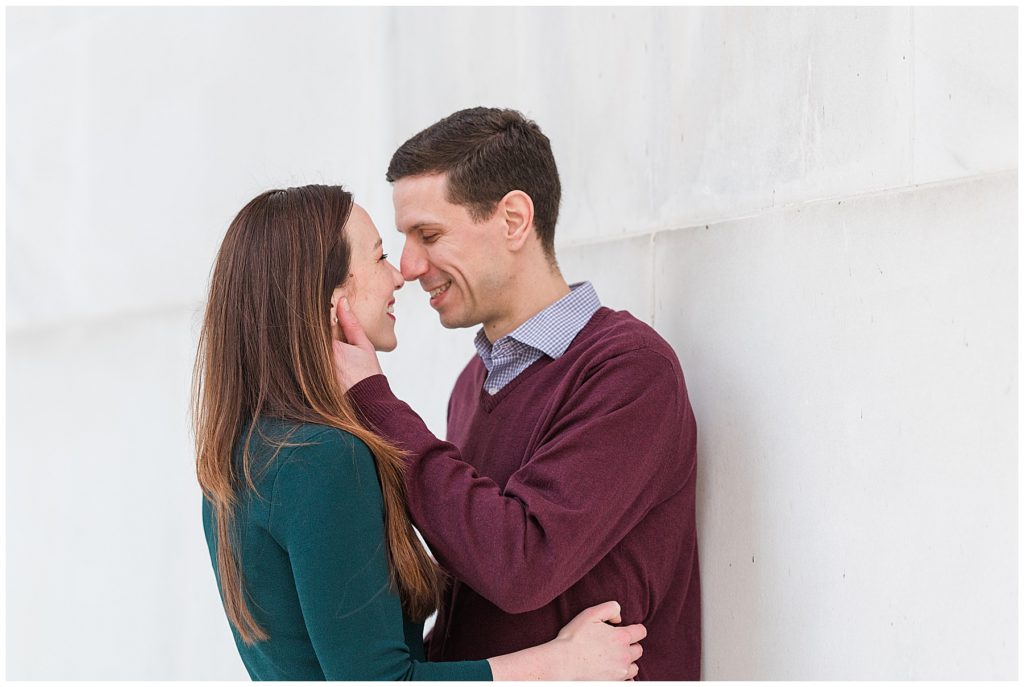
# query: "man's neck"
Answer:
x=542 y=293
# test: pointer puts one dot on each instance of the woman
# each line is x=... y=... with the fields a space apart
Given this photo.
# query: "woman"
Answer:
x=320 y=572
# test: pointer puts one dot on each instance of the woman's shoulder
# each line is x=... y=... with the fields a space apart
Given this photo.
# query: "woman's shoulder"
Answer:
x=307 y=431
x=288 y=445
x=327 y=442
x=291 y=434
x=316 y=447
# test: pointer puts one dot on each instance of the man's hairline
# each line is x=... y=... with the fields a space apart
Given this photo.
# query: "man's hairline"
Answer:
x=550 y=255
x=447 y=197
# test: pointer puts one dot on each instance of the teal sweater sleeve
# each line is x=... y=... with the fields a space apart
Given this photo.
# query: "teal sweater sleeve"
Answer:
x=327 y=514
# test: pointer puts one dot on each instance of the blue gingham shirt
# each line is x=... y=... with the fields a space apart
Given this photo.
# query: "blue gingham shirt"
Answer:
x=549 y=332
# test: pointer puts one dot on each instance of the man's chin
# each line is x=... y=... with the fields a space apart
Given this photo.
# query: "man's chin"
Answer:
x=453 y=322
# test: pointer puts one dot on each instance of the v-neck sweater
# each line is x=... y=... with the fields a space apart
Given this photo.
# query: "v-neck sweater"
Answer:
x=573 y=485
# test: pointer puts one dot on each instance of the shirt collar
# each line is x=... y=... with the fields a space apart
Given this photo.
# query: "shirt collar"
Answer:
x=552 y=329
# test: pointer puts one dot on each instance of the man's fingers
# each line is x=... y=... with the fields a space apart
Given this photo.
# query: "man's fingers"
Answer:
x=350 y=327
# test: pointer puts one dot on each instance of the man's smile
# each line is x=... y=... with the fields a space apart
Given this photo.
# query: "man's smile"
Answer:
x=440 y=289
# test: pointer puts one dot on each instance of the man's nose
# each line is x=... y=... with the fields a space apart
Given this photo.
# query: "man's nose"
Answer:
x=413 y=263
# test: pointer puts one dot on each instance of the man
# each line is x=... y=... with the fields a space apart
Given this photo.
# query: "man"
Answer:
x=570 y=475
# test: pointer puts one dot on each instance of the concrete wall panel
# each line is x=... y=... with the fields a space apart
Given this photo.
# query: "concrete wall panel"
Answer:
x=965 y=91
x=847 y=487
x=107 y=570
x=773 y=106
x=620 y=271
x=134 y=116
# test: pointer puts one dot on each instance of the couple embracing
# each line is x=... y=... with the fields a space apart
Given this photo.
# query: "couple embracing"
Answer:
x=561 y=508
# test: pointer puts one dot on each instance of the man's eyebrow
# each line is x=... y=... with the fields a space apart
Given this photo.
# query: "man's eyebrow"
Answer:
x=422 y=225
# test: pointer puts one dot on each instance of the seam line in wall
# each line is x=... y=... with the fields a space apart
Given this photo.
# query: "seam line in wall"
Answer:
x=771 y=210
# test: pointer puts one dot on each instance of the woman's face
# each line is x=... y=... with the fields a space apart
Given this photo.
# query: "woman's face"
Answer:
x=371 y=283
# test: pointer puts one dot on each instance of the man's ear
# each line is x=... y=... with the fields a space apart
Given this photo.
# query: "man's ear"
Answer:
x=516 y=210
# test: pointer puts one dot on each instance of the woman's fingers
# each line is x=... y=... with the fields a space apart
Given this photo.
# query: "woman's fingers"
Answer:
x=635 y=633
x=608 y=612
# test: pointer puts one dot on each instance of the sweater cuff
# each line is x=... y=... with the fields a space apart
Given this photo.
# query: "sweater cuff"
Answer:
x=371 y=398
x=465 y=671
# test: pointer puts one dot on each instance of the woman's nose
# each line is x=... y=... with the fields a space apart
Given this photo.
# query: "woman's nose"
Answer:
x=398 y=279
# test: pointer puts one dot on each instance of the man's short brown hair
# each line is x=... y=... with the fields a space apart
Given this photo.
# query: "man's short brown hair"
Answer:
x=485 y=153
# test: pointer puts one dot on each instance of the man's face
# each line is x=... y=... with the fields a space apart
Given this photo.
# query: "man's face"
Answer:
x=461 y=263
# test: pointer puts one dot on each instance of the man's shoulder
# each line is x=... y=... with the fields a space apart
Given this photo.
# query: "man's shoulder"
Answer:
x=611 y=333
x=473 y=368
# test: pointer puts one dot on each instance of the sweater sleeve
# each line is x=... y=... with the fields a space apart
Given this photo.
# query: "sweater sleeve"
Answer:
x=327 y=513
x=623 y=441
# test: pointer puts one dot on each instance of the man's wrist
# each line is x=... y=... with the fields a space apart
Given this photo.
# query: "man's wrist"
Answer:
x=370 y=398
x=371 y=386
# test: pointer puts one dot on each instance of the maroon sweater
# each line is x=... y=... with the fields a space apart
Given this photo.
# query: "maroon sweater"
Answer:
x=571 y=486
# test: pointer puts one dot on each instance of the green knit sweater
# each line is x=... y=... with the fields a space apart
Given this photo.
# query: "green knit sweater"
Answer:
x=315 y=566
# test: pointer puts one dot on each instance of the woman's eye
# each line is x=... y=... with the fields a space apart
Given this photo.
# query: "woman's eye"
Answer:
x=383 y=256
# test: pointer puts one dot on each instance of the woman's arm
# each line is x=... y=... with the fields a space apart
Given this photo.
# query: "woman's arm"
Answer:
x=327 y=513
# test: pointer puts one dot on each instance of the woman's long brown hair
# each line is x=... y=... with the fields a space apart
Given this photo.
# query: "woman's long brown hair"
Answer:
x=265 y=350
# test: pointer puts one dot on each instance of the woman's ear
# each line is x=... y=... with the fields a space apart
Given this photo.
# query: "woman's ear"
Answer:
x=336 y=295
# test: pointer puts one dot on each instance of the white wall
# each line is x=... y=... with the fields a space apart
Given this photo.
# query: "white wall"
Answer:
x=816 y=207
